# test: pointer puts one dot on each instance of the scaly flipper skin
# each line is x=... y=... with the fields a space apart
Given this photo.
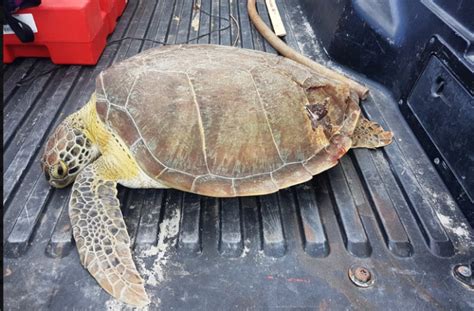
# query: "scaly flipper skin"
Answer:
x=101 y=235
x=369 y=134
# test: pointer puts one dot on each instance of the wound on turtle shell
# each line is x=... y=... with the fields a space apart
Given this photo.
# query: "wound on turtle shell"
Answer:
x=316 y=112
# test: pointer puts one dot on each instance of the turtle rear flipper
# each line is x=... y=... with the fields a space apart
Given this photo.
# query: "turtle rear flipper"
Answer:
x=369 y=134
x=101 y=236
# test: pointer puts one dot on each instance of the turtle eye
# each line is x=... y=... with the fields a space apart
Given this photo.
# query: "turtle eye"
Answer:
x=59 y=170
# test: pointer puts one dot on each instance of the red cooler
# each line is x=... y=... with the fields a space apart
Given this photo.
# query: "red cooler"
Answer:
x=67 y=31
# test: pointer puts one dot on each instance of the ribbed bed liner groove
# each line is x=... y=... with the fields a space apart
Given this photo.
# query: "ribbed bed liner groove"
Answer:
x=385 y=209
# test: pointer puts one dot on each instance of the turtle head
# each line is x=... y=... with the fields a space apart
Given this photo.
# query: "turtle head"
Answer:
x=67 y=152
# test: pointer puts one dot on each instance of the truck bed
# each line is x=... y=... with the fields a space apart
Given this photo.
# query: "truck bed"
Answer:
x=386 y=210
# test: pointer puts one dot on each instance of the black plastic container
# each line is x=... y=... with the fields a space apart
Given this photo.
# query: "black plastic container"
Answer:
x=423 y=52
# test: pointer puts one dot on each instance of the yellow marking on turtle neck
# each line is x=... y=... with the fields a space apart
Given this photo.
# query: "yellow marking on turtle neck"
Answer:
x=118 y=161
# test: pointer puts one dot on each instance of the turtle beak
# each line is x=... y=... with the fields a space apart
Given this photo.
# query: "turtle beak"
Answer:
x=59 y=183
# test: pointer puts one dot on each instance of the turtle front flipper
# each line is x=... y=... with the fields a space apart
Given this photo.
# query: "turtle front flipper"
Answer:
x=101 y=235
x=369 y=134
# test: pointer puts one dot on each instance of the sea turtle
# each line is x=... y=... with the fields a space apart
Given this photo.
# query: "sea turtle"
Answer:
x=212 y=120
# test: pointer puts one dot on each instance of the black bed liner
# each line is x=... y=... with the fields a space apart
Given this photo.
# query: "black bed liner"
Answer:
x=385 y=209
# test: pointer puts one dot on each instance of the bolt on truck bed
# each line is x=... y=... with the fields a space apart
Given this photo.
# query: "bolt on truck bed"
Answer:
x=380 y=230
